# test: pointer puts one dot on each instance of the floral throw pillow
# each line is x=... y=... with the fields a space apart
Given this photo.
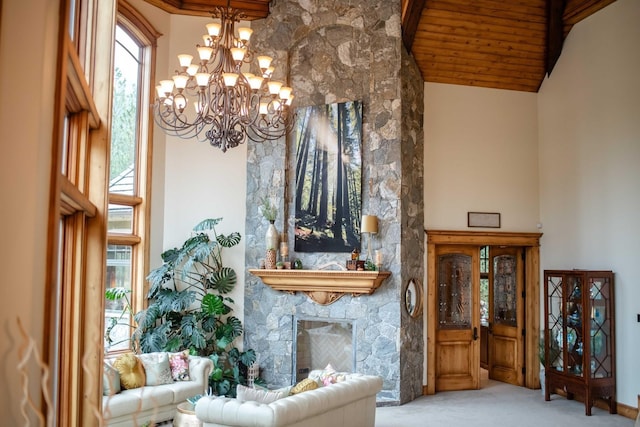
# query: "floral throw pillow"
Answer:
x=156 y=368
x=179 y=363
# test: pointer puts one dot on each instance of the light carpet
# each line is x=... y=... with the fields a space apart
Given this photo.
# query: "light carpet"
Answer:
x=495 y=404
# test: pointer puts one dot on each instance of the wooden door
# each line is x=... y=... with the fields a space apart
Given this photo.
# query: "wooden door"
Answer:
x=458 y=318
x=506 y=317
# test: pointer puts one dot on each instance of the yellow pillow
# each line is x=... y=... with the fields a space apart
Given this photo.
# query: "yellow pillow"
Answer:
x=131 y=371
x=304 y=385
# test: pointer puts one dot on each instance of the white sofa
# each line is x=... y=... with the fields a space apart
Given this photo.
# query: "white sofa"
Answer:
x=135 y=407
x=351 y=403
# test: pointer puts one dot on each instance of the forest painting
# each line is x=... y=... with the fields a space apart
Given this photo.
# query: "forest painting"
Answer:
x=328 y=195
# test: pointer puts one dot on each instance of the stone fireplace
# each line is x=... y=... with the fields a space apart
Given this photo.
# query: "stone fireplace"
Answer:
x=338 y=51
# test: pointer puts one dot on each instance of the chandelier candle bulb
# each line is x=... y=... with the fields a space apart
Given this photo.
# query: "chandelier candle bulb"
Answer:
x=185 y=60
x=192 y=69
x=264 y=108
x=238 y=53
x=205 y=53
x=202 y=79
x=230 y=79
x=285 y=92
x=255 y=82
x=214 y=29
x=244 y=33
x=180 y=81
x=264 y=62
x=274 y=87
x=167 y=86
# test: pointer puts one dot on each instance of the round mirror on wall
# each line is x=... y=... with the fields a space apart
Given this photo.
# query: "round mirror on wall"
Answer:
x=413 y=297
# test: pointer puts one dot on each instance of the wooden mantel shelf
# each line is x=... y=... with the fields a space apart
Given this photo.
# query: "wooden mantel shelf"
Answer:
x=322 y=286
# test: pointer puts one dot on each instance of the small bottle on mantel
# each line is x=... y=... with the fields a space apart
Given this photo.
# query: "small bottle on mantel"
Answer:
x=355 y=255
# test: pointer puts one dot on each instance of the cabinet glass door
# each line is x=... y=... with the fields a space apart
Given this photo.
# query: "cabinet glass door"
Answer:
x=574 y=340
x=555 y=358
x=600 y=365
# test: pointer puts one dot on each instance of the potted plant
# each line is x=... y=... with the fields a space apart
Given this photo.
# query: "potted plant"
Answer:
x=189 y=307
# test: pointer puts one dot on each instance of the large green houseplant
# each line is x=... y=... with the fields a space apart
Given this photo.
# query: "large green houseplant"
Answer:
x=189 y=307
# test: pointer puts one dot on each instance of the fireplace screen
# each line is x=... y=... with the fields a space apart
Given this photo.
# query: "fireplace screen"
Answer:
x=319 y=342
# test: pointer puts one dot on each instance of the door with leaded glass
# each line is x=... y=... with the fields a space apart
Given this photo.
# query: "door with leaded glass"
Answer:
x=458 y=318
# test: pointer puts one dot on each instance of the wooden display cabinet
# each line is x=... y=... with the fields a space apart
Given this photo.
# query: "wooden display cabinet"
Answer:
x=579 y=336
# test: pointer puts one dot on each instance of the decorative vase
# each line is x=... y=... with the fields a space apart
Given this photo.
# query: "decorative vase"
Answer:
x=272 y=237
x=270 y=259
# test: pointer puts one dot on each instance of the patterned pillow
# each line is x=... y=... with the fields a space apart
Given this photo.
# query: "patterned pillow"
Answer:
x=156 y=368
x=244 y=394
x=110 y=380
x=131 y=371
x=327 y=376
x=179 y=363
x=304 y=385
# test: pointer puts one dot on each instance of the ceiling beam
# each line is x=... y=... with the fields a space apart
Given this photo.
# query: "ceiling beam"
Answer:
x=411 y=13
x=555 y=33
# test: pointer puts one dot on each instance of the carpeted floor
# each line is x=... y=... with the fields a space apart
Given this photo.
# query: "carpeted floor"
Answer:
x=496 y=404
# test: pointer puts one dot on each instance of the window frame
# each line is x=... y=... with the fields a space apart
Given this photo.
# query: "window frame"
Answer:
x=139 y=29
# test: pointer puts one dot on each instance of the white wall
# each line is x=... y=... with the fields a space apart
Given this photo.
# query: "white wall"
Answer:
x=480 y=155
x=200 y=181
x=589 y=112
x=26 y=120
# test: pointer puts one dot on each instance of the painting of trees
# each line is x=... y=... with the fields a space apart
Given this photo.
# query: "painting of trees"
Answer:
x=328 y=195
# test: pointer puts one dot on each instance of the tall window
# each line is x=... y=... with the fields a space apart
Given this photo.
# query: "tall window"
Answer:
x=77 y=235
x=83 y=221
x=127 y=229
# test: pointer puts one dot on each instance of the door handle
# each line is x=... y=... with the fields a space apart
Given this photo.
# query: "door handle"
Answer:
x=475 y=334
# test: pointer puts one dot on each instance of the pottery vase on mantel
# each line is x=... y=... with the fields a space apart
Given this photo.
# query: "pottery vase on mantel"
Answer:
x=270 y=259
x=272 y=238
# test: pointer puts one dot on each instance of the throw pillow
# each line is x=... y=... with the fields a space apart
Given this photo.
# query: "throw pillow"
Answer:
x=131 y=371
x=156 y=368
x=244 y=393
x=179 y=363
x=304 y=385
x=110 y=380
x=327 y=376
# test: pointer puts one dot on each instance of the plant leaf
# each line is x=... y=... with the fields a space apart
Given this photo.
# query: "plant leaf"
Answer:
x=248 y=357
x=223 y=281
x=207 y=224
x=230 y=240
x=114 y=294
x=212 y=305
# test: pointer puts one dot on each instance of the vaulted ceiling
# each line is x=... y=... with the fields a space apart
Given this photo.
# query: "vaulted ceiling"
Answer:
x=502 y=44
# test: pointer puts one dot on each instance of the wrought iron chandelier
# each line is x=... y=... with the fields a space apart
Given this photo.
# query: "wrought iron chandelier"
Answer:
x=227 y=104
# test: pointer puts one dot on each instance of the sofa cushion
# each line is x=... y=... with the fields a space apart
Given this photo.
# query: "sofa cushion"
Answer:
x=139 y=399
x=179 y=363
x=156 y=368
x=110 y=380
x=245 y=394
x=304 y=385
x=131 y=371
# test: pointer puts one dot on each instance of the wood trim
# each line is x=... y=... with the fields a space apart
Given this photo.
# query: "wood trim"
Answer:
x=123 y=239
x=124 y=199
x=411 y=14
x=531 y=243
x=79 y=97
x=491 y=238
x=72 y=200
x=137 y=20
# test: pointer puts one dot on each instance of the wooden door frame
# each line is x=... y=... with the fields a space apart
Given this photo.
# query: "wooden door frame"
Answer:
x=531 y=244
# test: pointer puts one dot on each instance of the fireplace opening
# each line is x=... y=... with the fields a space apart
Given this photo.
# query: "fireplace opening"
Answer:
x=319 y=342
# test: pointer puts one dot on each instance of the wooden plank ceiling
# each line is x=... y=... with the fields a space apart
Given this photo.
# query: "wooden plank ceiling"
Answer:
x=502 y=44
x=490 y=43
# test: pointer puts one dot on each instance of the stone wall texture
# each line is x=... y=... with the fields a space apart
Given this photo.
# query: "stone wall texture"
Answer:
x=337 y=51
